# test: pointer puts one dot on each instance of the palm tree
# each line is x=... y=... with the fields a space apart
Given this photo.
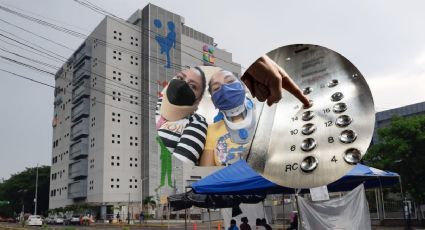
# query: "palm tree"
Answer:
x=149 y=201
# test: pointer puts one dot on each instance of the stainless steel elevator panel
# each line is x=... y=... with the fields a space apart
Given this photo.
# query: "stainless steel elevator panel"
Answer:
x=309 y=147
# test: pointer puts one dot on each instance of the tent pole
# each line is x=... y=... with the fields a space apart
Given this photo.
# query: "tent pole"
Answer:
x=405 y=206
x=185 y=209
x=298 y=210
x=283 y=210
x=401 y=186
x=169 y=213
x=209 y=217
x=381 y=201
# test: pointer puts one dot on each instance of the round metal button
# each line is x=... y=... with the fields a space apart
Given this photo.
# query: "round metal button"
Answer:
x=308 y=144
x=332 y=83
x=339 y=107
x=352 y=156
x=348 y=136
x=309 y=105
x=307 y=90
x=307 y=115
x=343 y=120
x=337 y=96
x=309 y=164
x=308 y=129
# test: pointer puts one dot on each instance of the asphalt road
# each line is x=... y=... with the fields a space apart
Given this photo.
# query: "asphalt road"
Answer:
x=179 y=226
x=174 y=226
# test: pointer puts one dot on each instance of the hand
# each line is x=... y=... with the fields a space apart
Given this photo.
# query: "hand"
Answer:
x=265 y=79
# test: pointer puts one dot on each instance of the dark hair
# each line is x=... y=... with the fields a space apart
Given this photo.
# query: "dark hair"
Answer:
x=233 y=221
x=244 y=219
x=258 y=222
x=204 y=80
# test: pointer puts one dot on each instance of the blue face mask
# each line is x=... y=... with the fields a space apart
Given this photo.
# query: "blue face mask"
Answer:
x=229 y=96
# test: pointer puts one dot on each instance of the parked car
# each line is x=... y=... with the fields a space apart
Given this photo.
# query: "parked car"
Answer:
x=34 y=220
x=50 y=220
x=58 y=220
x=11 y=220
x=73 y=220
x=54 y=220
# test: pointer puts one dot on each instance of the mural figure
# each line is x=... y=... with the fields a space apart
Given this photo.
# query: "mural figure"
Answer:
x=166 y=42
x=181 y=131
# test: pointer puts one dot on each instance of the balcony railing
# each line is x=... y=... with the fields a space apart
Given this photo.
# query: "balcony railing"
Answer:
x=78 y=169
x=81 y=109
x=79 y=149
x=77 y=189
x=80 y=129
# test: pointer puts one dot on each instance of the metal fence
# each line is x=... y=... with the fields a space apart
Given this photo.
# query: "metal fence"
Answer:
x=383 y=205
x=373 y=201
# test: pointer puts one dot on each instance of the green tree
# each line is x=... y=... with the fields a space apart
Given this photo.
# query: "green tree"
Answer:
x=20 y=188
x=149 y=201
x=402 y=149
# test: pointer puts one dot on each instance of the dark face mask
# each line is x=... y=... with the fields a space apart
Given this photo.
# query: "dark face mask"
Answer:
x=179 y=93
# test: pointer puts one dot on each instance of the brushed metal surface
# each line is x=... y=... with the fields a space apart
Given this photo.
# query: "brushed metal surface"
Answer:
x=282 y=149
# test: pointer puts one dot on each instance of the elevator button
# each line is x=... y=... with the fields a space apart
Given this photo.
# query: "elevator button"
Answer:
x=339 y=107
x=309 y=105
x=348 y=136
x=308 y=129
x=332 y=83
x=307 y=90
x=337 y=96
x=352 y=156
x=309 y=164
x=307 y=115
x=343 y=120
x=308 y=144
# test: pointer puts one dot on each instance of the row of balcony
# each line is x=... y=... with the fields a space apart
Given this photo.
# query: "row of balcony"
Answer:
x=77 y=189
x=80 y=112
x=79 y=149
x=81 y=90
x=83 y=51
x=80 y=109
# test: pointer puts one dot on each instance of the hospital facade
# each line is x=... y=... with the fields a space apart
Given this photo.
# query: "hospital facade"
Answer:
x=104 y=135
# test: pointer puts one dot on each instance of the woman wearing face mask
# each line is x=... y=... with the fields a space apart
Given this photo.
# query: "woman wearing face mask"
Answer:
x=181 y=131
x=234 y=125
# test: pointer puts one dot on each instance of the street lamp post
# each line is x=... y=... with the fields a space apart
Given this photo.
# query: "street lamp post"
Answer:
x=36 y=190
x=128 y=209
x=141 y=193
x=22 y=191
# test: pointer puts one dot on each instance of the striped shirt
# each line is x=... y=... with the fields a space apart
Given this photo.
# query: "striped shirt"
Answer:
x=184 y=138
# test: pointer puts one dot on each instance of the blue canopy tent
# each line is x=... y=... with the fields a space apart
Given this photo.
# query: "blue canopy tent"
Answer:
x=240 y=178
